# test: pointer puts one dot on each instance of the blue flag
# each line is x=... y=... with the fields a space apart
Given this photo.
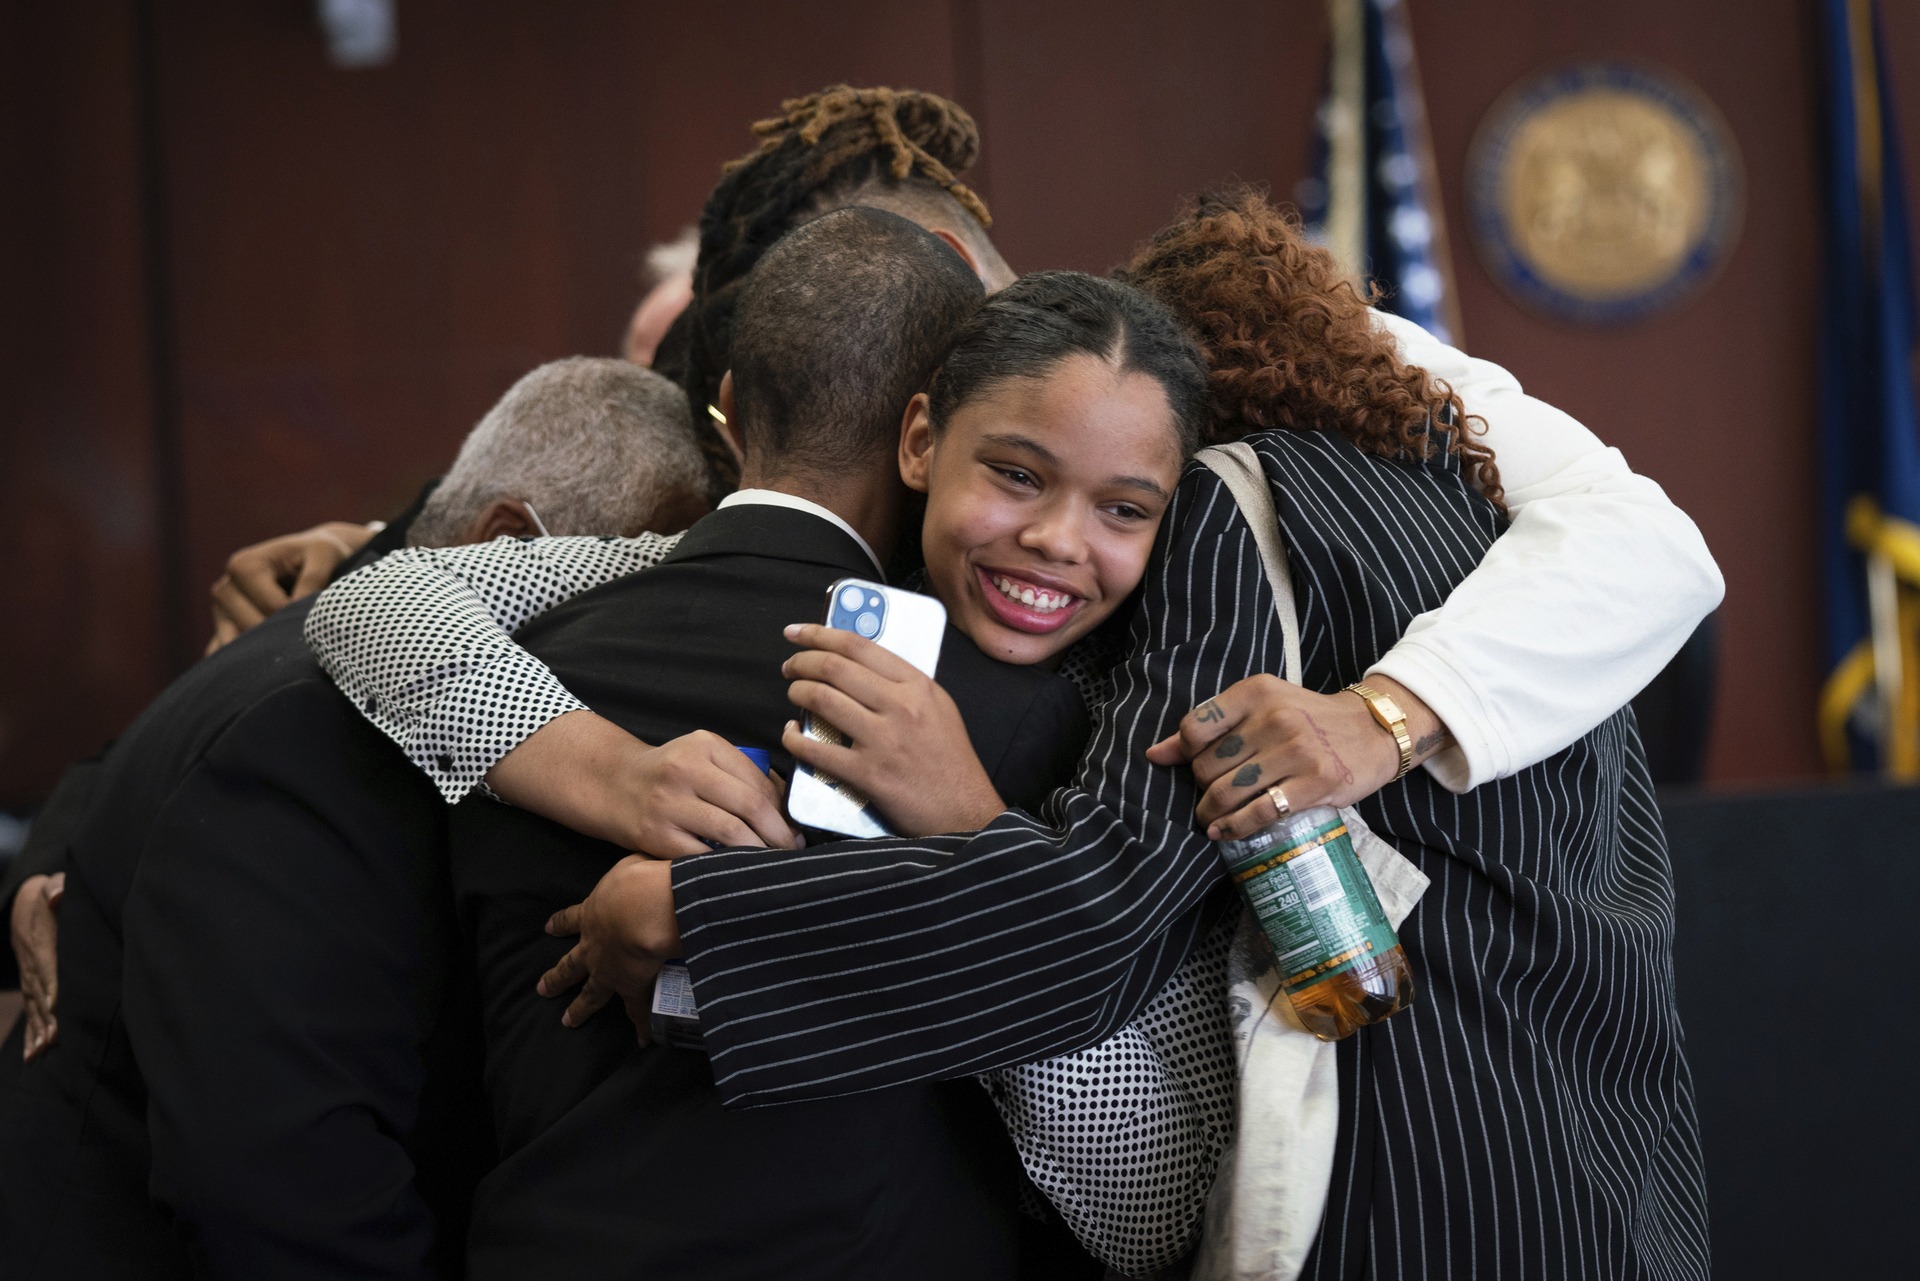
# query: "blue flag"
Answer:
x=1374 y=200
x=1869 y=416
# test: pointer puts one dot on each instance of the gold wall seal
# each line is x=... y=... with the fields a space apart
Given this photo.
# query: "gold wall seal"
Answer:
x=1604 y=192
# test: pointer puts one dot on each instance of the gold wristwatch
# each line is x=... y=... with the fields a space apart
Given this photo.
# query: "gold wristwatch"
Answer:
x=1391 y=719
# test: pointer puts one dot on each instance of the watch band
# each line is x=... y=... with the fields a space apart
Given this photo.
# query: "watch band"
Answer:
x=1390 y=718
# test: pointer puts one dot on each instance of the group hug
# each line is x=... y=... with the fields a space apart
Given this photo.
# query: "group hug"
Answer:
x=340 y=961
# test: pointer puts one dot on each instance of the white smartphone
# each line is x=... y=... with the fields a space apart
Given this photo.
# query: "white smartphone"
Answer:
x=902 y=622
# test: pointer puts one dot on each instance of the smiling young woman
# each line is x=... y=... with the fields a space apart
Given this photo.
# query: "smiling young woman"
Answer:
x=1044 y=494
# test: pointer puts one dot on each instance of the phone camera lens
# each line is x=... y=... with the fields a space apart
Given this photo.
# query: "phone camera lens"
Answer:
x=868 y=624
x=850 y=598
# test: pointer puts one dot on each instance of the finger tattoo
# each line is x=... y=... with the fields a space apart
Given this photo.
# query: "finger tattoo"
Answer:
x=1229 y=747
x=1248 y=775
x=1209 y=711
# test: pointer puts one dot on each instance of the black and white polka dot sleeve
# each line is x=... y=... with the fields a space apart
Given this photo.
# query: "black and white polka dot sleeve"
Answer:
x=421 y=642
x=1125 y=1138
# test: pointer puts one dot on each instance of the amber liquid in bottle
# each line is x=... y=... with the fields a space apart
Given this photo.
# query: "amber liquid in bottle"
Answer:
x=1340 y=962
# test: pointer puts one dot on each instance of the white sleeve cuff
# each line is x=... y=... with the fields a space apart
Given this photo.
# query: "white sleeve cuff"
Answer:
x=483 y=715
x=1478 y=754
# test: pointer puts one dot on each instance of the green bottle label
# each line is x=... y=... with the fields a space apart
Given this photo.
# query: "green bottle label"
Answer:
x=1313 y=900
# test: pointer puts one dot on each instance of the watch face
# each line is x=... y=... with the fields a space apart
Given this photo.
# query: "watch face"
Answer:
x=1379 y=706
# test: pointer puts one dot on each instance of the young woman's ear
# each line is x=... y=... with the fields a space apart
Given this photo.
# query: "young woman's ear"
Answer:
x=731 y=433
x=509 y=517
x=916 y=443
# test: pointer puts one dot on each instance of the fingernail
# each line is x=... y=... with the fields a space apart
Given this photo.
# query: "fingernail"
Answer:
x=791 y=630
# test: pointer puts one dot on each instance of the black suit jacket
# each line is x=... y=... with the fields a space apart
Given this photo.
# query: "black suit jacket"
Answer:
x=58 y=819
x=273 y=870
x=620 y=1161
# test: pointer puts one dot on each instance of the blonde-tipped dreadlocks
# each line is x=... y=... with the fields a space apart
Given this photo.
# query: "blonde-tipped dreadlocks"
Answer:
x=911 y=125
x=821 y=150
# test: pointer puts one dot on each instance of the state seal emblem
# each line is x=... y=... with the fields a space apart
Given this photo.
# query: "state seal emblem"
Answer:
x=1603 y=192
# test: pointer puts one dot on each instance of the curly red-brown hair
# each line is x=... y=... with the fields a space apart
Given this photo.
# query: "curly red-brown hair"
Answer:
x=1289 y=339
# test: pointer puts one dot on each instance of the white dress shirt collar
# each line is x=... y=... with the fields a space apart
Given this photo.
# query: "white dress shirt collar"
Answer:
x=774 y=498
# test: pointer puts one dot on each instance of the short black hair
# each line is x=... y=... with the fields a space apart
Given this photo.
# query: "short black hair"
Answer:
x=839 y=326
x=1033 y=324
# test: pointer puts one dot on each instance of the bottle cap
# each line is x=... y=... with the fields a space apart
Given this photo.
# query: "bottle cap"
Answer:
x=762 y=759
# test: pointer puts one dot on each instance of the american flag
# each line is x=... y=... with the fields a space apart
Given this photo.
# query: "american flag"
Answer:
x=1374 y=198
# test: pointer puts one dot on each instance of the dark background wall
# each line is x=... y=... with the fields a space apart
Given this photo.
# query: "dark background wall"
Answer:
x=246 y=291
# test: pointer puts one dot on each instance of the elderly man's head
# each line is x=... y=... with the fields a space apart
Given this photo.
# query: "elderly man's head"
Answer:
x=579 y=446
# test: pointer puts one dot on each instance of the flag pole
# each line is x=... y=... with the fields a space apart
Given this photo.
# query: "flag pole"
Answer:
x=1422 y=146
x=1346 y=129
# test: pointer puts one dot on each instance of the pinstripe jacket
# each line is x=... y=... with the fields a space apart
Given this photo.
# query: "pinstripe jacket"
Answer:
x=1530 y=1116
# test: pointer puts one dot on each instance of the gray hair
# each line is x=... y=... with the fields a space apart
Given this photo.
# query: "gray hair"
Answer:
x=597 y=446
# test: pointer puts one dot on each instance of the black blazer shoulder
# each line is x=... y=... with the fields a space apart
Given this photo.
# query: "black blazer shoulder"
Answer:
x=1028 y=725
x=169 y=738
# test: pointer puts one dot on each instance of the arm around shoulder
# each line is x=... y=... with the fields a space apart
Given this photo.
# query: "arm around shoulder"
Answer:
x=421 y=642
x=1592 y=589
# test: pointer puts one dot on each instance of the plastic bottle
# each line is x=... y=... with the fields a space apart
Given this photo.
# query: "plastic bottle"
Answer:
x=1340 y=961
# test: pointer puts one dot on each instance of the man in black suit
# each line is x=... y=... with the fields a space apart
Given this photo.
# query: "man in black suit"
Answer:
x=216 y=785
x=618 y=1159
x=276 y=874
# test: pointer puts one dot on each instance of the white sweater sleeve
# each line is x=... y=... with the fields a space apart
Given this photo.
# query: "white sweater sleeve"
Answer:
x=421 y=642
x=1581 y=602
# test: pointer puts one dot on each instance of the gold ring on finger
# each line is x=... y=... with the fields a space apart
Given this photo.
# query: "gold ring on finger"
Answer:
x=1279 y=798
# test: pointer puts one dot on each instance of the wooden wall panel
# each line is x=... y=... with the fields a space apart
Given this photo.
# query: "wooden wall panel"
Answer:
x=367 y=259
x=1101 y=118
x=702 y=82
x=1715 y=399
x=363 y=260
x=80 y=644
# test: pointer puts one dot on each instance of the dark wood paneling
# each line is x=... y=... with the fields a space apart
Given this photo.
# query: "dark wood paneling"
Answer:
x=1103 y=117
x=363 y=260
x=709 y=73
x=1715 y=399
x=367 y=259
x=80 y=648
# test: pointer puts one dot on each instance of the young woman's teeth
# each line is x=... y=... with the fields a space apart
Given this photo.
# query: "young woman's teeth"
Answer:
x=1032 y=598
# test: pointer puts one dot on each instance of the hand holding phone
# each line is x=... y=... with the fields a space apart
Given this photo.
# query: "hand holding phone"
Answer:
x=910 y=757
x=903 y=623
